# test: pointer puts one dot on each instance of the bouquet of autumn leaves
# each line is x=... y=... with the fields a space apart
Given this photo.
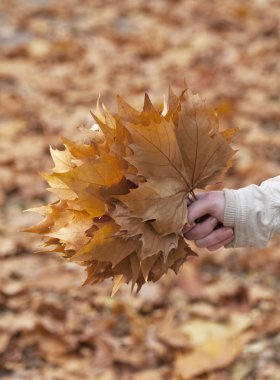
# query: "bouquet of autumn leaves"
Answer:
x=123 y=195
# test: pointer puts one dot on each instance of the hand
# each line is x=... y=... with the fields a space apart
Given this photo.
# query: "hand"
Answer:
x=204 y=234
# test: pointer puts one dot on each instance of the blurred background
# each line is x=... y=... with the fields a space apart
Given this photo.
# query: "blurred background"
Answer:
x=220 y=318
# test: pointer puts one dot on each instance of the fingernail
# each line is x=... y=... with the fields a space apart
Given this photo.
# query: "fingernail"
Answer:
x=229 y=232
x=213 y=219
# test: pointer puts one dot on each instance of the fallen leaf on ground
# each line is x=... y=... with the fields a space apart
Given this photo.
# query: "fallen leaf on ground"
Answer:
x=215 y=345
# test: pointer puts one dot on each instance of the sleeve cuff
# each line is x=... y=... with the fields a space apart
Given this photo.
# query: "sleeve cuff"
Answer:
x=230 y=208
x=236 y=216
x=245 y=212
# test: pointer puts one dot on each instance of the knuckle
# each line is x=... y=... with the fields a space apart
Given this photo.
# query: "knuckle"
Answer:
x=188 y=235
x=194 y=234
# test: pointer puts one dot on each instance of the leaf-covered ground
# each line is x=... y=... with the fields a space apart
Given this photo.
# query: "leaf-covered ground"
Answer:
x=220 y=318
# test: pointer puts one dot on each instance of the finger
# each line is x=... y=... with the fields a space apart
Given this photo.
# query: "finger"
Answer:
x=221 y=244
x=187 y=228
x=202 y=230
x=215 y=237
x=199 y=209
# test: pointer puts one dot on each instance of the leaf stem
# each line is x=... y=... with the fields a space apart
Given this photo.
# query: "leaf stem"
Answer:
x=193 y=194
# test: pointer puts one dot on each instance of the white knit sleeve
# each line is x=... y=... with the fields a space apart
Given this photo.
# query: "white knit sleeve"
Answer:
x=254 y=213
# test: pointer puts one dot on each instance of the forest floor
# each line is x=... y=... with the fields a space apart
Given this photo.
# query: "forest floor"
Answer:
x=219 y=319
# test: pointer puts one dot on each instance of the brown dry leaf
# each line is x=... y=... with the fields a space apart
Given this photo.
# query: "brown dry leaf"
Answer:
x=209 y=155
x=152 y=374
x=123 y=197
x=62 y=160
x=4 y=341
x=105 y=375
x=210 y=356
x=51 y=346
x=103 y=248
x=215 y=345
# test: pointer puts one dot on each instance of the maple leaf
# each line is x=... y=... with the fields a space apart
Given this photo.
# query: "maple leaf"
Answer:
x=152 y=242
x=123 y=194
x=175 y=157
x=207 y=155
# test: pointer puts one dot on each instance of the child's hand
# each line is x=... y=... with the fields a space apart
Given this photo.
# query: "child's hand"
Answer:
x=204 y=234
